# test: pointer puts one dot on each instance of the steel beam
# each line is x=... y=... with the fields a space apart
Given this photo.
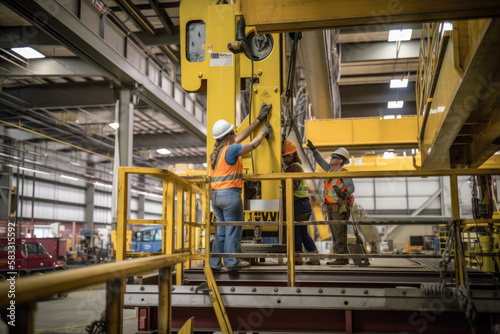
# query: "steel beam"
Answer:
x=12 y=37
x=50 y=67
x=327 y=277
x=363 y=134
x=65 y=95
x=379 y=51
x=379 y=67
x=458 y=97
x=381 y=93
x=298 y=15
x=267 y=308
x=316 y=69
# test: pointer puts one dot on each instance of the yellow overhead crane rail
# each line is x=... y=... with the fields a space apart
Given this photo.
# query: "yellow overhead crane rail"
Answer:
x=298 y=15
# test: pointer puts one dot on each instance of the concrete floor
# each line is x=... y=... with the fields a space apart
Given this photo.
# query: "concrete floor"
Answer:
x=73 y=313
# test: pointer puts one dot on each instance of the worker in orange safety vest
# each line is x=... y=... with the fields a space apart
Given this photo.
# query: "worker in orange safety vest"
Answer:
x=226 y=171
x=337 y=198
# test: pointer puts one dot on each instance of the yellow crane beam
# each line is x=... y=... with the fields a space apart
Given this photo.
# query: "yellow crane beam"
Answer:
x=298 y=15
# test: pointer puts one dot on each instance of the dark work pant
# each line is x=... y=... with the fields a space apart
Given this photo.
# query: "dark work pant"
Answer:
x=302 y=212
x=339 y=232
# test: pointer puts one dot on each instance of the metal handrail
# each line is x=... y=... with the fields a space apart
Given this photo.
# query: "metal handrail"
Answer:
x=30 y=289
x=36 y=287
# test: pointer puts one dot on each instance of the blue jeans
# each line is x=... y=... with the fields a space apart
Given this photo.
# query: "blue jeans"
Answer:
x=228 y=206
x=302 y=207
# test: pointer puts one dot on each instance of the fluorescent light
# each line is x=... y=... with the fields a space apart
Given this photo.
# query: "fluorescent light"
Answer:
x=388 y=155
x=28 y=53
x=394 y=35
x=399 y=35
x=114 y=125
x=69 y=178
x=395 y=104
x=447 y=26
x=34 y=171
x=103 y=185
x=398 y=116
x=405 y=34
x=163 y=151
x=396 y=83
x=389 y=116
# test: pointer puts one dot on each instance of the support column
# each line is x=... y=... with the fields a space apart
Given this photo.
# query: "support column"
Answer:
x=125 y=131
x=124 y=114
x=141 y=201
x=89 y=208
x=5 y=184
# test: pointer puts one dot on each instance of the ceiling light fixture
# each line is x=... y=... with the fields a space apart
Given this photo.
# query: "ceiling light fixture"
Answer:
x=399 y=35
x=395 y=104
x=28 y=53
x=163 y=151
x=69 y=178
x=33 y=171
x=114 y=125
x=388 y=155
x=103 y=185
x=397 y=83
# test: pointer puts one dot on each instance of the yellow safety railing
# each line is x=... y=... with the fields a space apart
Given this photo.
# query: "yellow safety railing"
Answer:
x=177 y=191
x=482 y=250
x=21 y=294
x=431 y=55
x=289 y=177
x=175 y=251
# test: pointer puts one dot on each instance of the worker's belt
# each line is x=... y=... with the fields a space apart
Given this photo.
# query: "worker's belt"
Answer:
x=332 y=206
x=339 y=207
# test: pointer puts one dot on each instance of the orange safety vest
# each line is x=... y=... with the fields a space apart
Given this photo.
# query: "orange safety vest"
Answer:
x=225 y=176
x=329 y=195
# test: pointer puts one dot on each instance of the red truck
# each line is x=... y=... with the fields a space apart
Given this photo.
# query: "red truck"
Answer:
x=25 y=256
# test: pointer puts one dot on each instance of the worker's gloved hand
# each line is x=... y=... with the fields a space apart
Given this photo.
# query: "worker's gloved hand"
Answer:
x=264 y=110
x=339 y=192
x=310 y=145
x=267 y=130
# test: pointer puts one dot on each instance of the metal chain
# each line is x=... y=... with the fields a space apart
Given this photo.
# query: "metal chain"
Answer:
x=98 y=326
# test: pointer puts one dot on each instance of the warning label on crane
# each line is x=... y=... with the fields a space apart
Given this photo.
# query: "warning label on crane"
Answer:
x=221 y=59
x=264 y=216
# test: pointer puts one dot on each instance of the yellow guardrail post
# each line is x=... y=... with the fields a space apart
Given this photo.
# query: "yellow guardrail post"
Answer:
x=290 y=232
x=121 y=225
x=179 y=224
x=26 y=322
x=219 y=309
x=114 y=305
x=168 y=232
x=188 y=327
x=165 y=300
x=192 y=229
x=189 y=228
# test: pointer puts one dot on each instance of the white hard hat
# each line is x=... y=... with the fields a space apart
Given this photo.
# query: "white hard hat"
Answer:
x=221 y=128
x=343 y=153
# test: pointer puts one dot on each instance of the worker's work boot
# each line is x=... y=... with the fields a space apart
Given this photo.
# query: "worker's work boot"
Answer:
x=241 y=264
x=338 y=262
x=298 y=259
x=314 y=260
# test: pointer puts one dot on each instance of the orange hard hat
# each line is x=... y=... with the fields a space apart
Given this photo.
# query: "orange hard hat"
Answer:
x=289 y=148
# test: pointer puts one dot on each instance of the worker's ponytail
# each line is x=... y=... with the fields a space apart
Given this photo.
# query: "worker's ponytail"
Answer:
x=215 y=153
